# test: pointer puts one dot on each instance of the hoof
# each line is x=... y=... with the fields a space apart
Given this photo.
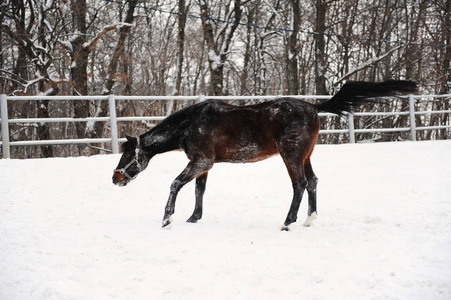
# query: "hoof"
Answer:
x=285 y=228
x=192 y=220
x=309 y=221
x=166 y=222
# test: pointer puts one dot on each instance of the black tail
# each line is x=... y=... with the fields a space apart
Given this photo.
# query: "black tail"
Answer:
x=355 y=93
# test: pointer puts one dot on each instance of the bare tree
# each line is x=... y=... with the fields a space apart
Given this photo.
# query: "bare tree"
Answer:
x=35 y=37
x=320 y=47
x=292 y=50
x=124 y=30
x=80 y=48
x=218 y=38
x=181 y=18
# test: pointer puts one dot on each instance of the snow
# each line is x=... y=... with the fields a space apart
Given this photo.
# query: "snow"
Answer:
x=67 y=44
x=215 y=59
x=383 y=229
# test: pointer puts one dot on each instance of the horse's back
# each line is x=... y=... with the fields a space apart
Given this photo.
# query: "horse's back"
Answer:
x=293 y=111
x=282 y=109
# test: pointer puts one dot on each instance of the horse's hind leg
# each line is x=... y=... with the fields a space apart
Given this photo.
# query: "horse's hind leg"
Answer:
x=312 y=182
x=294 y=164
x=201 y=182
x=299 y=184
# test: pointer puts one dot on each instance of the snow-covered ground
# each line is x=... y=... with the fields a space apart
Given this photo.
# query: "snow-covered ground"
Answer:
x=383 y=230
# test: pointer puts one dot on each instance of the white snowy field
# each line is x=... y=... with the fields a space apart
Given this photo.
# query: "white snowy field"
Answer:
x=383 y=229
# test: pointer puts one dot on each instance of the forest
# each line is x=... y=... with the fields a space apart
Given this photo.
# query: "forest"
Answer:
x=218 y=47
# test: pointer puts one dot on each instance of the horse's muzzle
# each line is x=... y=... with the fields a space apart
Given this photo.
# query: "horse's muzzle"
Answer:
x=119 y=179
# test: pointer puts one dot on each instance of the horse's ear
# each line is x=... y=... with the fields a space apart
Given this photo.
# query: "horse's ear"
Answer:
x=129 y=138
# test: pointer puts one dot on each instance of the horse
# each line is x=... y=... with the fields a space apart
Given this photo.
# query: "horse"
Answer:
x=214 y=131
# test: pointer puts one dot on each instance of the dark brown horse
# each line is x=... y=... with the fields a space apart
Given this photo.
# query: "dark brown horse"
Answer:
x=214 y=131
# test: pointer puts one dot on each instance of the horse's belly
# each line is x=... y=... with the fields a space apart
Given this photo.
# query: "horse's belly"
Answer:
x=251 y=153
x=243 y=142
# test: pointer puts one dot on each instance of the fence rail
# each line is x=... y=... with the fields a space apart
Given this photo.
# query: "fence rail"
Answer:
x=113 y=119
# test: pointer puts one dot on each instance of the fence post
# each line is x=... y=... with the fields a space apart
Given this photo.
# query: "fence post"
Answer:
x=413 y=132
x=351 y=128
x=113 y=124
x=5 y=126
x=170 y=106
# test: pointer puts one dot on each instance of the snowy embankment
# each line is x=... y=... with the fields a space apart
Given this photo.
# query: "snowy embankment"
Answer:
x=383 y=230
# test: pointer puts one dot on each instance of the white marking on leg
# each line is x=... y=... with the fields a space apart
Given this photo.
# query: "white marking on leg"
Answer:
x=167 y=222
x=309 y=221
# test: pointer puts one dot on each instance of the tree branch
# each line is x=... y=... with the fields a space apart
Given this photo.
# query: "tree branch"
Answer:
x=366 y=64
x=105 y=29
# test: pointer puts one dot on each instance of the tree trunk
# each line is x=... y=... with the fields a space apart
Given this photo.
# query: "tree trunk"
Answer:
x=79 y=67
x=120 y=46
x=99 y=127
x=182 y=10
x=446 y=73
x=320 y=48
x=180 y=44
x=446 y=81
x=246 y=57
x=218 y=44
x=291 y=56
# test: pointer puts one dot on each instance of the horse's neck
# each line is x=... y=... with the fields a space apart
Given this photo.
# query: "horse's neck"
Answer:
x=162 y=139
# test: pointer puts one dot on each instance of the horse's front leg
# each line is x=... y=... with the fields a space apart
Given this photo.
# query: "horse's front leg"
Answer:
x=169 y=210
x=201 y=183
x=192 y=170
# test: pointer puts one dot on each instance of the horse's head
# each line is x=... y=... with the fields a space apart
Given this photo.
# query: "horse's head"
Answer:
x=134 y=160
